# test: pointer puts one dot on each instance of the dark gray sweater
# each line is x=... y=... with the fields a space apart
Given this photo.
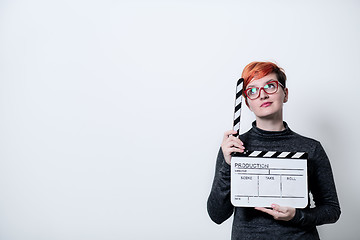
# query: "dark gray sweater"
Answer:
x=249 y=223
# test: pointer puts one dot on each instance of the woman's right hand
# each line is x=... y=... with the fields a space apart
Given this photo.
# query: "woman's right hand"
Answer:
x=231 y=144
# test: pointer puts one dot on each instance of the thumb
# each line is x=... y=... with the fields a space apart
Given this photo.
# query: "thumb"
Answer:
x=278 y=208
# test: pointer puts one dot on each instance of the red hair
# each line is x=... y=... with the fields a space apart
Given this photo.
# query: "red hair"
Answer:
x=257 y=70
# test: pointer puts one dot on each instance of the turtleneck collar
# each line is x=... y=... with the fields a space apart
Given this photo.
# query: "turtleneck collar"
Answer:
x=265 y=133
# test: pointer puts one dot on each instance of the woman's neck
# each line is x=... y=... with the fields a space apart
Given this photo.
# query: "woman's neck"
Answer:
x=272 y=125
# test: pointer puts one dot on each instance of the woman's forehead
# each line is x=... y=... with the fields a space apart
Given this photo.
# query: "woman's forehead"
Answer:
x=261 y=81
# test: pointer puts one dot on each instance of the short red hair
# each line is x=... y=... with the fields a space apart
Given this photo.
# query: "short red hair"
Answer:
x=256 y=70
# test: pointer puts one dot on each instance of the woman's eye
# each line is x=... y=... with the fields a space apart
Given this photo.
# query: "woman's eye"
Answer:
x=270 y=86
x=252 y=91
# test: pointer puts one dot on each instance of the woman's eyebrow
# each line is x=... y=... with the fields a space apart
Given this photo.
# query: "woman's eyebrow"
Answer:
x=250 y=86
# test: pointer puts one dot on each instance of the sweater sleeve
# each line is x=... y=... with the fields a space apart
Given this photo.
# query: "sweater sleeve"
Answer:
x=322 y=187
x=219 y=205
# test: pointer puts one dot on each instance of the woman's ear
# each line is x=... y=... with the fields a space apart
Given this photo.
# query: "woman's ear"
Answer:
x=286 y=98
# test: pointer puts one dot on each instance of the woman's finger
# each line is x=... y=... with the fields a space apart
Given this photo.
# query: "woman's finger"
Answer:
x=227 y=151
x=266 y=210
x=229 y=133
x=279 y=208
x=232 y=138
x=237 y=145
x=279 y=212
x=234 y=149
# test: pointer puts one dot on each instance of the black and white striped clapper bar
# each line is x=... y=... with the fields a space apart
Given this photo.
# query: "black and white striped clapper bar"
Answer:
x=238 y=102
x=272 y=154
x=261 y=178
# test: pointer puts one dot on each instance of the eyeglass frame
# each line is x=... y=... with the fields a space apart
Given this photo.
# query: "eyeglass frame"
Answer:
x=262 y=88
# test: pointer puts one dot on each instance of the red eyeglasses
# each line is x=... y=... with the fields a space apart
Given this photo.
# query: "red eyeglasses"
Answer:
x=271 y=87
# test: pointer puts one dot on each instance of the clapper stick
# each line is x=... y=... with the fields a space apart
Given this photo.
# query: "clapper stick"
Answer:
x=238 y=101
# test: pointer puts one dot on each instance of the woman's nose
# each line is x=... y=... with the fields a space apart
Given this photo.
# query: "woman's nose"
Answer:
x=263 y=94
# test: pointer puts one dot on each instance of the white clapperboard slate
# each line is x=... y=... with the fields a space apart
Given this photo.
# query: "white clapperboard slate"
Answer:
x=261 y=178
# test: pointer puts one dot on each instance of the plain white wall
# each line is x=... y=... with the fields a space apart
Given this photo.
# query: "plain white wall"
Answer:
x=112 y=112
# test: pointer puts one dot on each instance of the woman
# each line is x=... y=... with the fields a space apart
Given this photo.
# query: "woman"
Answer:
x=265 y=93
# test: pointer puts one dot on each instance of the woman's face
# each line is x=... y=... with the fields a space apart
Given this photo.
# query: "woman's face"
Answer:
x=267 y=106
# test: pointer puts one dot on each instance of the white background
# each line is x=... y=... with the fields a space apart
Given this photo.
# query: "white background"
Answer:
x=112 y=112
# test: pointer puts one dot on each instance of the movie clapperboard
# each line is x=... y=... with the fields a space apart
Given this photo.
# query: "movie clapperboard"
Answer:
x=261 y=178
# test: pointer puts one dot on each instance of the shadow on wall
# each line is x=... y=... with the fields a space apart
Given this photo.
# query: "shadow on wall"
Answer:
x=334 y=131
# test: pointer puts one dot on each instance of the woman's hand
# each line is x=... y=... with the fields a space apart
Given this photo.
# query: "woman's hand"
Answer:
x=279 y=212
x=231 y=144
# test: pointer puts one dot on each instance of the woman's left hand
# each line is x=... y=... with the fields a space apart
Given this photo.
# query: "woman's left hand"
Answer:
x=279 y=212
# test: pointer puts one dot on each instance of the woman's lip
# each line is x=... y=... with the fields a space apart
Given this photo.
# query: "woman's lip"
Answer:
x=266 y=104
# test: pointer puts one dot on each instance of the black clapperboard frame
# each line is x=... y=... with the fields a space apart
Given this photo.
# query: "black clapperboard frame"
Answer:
x=261 y=178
